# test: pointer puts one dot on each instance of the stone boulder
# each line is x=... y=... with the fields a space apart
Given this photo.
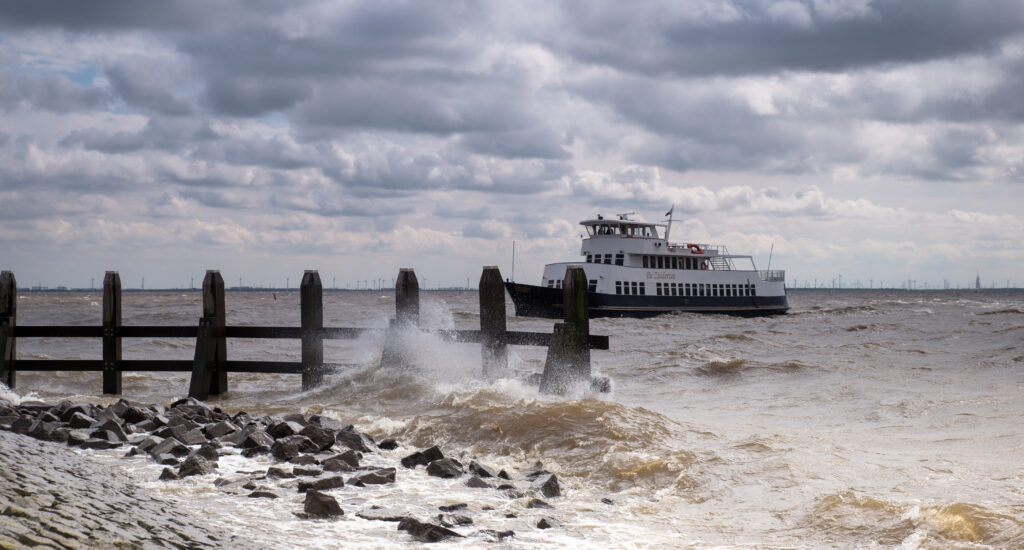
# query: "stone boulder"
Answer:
x=445 y=468
x=195 y=466
x=319 y=505
x=422 y=458
x=425 y=532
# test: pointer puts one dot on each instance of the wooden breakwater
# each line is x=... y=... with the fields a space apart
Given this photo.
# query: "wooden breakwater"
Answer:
x=568 y=357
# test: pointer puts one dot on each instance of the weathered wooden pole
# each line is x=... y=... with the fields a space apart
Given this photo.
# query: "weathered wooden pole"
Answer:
x=202 y=365
x=312 y=304
x=8 y=318
x=407 y=297
x=493 y=346
x=112 y=333
x=213 y=307
x=568 y=359
x=407 y=316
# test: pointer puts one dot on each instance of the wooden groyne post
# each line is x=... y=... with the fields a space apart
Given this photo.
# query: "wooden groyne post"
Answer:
x=407 y=316
x=8 y=319
x=112 y=333
x=213 y=309
x=311 y=295
x=209 y=366
x=568 y=358
x=493 y=327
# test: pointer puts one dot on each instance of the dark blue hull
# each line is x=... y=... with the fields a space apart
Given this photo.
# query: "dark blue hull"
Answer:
x=537 y=301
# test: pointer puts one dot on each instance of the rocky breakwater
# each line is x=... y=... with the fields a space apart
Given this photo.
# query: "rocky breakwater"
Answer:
x=311 y=461
x=54 y=497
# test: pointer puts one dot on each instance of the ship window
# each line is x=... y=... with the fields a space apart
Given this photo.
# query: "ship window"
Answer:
x=716 y=290
x=753 y=290
x=558 y=283
x=661 y=262
x=607 y=258
x=645 y=261
x=632 y=285
x=657 y=287
x=590 y=258
x=643 y=289
x=735 y=290
x=592 y=285
x=551 y=284
x=746 y=289
x=620 y=259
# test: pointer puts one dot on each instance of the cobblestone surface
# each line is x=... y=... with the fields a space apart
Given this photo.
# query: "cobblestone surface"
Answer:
x=52 y=497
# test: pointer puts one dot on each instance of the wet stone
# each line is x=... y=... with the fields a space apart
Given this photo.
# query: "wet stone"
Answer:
x=548 y=486
x=207 y=451
x=279 y=473
x=454 y=520
x=453 y=507
x=303 y=460
x=80 y=420
x=477 y=483
x=168 y=475
x=307 y=471
x=193 y=437
x=388 y=444
x=376 y=513
x=166 y=459
x=545 y=523
x=379 y=477
x=292 y=446
x=324 y=484
x=538 y=503
x=262 y=494
x=351 y=439
x=170 y=446
x=319 y=436
x=220 y=429
x=253 y=451
x=280 y=429
x=195 y=466
x=481 y=470
x=318 y=504
x=445 y=468
x=425 y=532
x=422 y=458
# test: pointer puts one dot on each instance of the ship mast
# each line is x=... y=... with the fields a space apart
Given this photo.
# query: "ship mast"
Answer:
x=669 y=226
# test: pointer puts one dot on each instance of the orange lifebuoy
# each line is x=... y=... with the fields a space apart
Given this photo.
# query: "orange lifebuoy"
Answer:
x=703 y=265
x=695 y=248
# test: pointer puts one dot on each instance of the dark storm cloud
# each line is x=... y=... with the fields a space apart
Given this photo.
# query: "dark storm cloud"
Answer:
x=254 y=96
x=146 y=88
x=160 y=133
x=48 y=92
x=759 y=38
x=104 y=15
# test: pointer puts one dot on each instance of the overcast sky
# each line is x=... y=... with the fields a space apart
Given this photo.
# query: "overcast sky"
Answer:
x=880 y=140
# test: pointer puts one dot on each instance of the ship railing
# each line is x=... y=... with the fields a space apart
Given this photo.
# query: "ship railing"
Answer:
x=715 y=249
x=774 y=275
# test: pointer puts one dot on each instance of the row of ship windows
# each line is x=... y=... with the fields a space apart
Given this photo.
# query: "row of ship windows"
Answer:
x=597 y=259
x=557 y=283
x=639 y=288
x=703 y=289
x=673 y=262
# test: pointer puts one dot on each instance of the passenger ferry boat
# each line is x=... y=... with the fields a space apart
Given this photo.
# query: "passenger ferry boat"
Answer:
x=633 y=270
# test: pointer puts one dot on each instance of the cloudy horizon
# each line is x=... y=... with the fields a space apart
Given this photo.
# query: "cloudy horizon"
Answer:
x=876 y=140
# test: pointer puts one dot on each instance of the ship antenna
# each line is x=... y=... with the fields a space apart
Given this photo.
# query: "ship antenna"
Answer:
x=669 y=226
x=513 y=260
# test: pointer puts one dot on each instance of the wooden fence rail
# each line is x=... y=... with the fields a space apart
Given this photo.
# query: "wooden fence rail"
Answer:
x=210 y=365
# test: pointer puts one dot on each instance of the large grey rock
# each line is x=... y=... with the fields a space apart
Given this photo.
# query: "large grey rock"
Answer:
x=422 y=458
x=169 y=446
x=324 y=484
x=425 y=532
x=378 y=477
x=445 y=468
x=548 y=485
x=283 y=428
x=321 y=437
x=353 y=440
x=195 y=466
x=80 y=420
x=292 y=446
x=319 y=505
